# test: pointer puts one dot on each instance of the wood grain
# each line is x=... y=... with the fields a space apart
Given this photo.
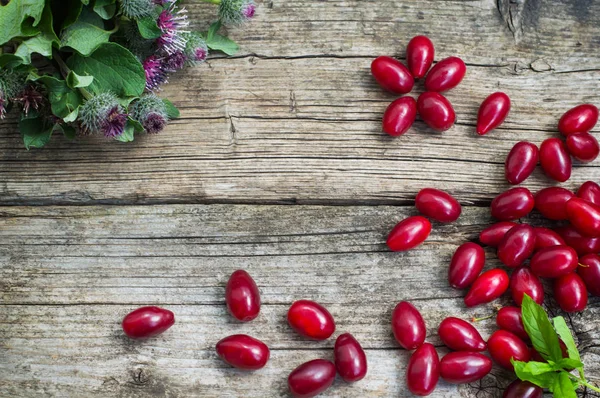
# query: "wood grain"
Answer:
x=72 y=273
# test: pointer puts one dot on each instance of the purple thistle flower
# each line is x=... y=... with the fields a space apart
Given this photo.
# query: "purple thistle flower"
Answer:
x=29 y=98
x=114 y=122
x=151 y=112
x=248 y=10
x=154 y=123
x=155 y=72
x=196 y=49
x=172 y=24
x=236 y=12
x=174 y=62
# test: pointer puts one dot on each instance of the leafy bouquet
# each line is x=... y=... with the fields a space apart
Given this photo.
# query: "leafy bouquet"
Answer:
x=84 y=67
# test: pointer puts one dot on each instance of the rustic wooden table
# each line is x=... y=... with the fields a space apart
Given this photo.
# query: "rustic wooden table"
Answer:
x=278 y=166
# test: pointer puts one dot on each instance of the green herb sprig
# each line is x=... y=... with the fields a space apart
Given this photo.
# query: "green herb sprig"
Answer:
x=556 y=374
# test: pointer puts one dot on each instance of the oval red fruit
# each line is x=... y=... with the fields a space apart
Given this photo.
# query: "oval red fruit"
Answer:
x=399 y=116
x=589 y=191
x=460 y=335
x=423 y=370
x=147 y=322
x=419 y=56
x=570 y=293
x=523 y=281
x=392 y=75
x=311 y=378
x=350 y=358
x=554 y=261
x=510 y=318
x=408 y=326
x=243 y=352
x=521 y=162
x=487 y=287
x=409 y=233
x=583 y=147
x=467 y=262
x=580 y=119
x=504 y=345
x=436 y=111
x=310 y=319
x=517 y=245
x=464 y=367
x=581 y=244
x=552 y=202
x=492 y=236
x=545 y=237
x=584 y=216
x=555 y=159
x=589 y=271
x=492 y=112
x=437 y=205
x=446 y=74
x=242 y=296
x=512 y=204
x=523 y=389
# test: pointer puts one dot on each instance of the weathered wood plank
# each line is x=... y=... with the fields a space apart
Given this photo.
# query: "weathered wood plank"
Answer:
x=71 y=273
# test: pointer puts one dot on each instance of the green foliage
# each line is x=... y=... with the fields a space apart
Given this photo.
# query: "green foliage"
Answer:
x=20 y=18
x=35 y=130
x=86 y=34
x=216 y=42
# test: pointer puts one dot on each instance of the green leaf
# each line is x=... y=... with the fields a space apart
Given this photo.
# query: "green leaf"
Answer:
x=222 y=43
x=35 y=132
x=534 y=374
x=64 y=101
x=114 y=69
x=148 y=27
x=137 y=126
x=563 y=387
x=127 y=135
x=85 y=35
x=20 y=18
x=42 y=43
x=68 y=131
x=76 y=81
x=105 y=8
x=86 y=2
x=213 y=29
x=72 y=10
x=10 y=60
x=565 y=335
x=172 y=111
x=540 y=330
x=568 y=363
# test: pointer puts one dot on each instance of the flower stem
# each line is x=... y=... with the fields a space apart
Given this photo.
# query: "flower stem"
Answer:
x=64 y=70
x=217 y=2
x=583 y=382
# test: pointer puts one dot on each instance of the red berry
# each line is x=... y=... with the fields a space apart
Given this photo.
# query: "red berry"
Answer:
x=487 y=287
x=583 y=147
x=467 y=262
x=437 y=205
x=581 y=244
x=545 y=237
x=589 y=191
x=492 y=112
x=570 y=293
x=510 y=318
x=399 y=116
x=242 y=296
x=503 y=346
x=523 y=281
x=554 y=261
x=392 y=75
x=552 y=202
x=436 y=111
x=464 y=367
x=517 y=245
x=419 y=56
x=521 y=162
x=423 y=370
x=555 y=160
x=408 y=326
x=584 y=216
x=147 y=322
x=460 y=335
x=446 y=74
x=492 y=236
x=580 y=119
x=512 y=204
x=311 y=320
x=523 y=389
x=350 y=358
x=409 y=233
x=311 y=378
x=590 y=273
x=243 y=352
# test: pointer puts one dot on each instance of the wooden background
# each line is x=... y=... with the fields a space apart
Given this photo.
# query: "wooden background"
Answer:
x=278 y=166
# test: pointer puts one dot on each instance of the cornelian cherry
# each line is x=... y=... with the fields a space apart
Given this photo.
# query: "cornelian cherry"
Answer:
x=510 y=318
x=311 y=320
x=487 y=287
x=399 y=116
x=554 y=261
x=409 y=233
x=579 y=119
x=581 y=244
x=419 y=56
x=423 y=371
x=590 y=273
x=436 y=111
x=492 y=112
x=460 y=335
x=243 y=352
x=523 y=281
x=446 y=74
x=521 y=162
x=590 y=191
x=147 y=322
x=437 y=205
x=350 y=358
x=504 y=345
x=392 y=75
x=242 y=296
x=584 y=216
x=467 y=262
x=492 y=236
x=523 y=389
x=555 y=159
x=517 y=245
x=545 y=237
x=552 y=202
x=464 y=367
x=512 y=204
x=570 y=293
x=408 y=326
x=311 y=378
x=583 y=147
